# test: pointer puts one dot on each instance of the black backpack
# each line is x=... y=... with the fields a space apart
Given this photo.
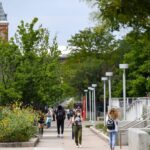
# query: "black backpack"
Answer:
x=71 y=113
x=60 y=115
x=110 y=124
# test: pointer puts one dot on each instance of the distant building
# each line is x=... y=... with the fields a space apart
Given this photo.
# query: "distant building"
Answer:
x=65 y=51
x=3 y=24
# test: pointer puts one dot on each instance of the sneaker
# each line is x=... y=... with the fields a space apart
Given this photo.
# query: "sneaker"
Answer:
x=58 y=135
x=61 y=136
x=80 y=145
x=77 y=146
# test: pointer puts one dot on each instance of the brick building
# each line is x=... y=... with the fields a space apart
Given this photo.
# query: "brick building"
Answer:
x=3 y=24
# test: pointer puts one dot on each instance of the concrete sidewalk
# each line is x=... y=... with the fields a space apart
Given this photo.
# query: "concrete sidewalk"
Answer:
x=49 y=141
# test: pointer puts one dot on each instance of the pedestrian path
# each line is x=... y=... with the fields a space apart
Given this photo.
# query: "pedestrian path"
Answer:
x=50 y=141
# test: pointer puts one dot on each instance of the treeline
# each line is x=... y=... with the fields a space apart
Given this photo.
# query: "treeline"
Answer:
x=31 y=71
x=96 y=51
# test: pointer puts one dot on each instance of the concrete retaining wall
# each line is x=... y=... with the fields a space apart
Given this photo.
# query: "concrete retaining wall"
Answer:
x=138 y=139
x=100 y=134
x=31 y=143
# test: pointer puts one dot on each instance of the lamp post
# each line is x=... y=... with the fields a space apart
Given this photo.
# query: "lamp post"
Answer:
x=104 y=79
x=86 y=103
x=109 y=75
x=90 y=102
x=94 y=102
x=124 y=67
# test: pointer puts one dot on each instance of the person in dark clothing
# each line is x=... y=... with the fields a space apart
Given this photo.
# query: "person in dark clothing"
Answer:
x=53 y=113
x=41 y=124
x=60 y=116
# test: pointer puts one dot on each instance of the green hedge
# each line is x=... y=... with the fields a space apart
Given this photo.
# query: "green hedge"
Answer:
x=16 y=124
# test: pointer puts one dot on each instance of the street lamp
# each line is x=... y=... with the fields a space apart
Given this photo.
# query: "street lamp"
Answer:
x=104 y=79
x=109 y=75
x=124 y=67
x=86 y=103
x=90 y=101
x=94 y=102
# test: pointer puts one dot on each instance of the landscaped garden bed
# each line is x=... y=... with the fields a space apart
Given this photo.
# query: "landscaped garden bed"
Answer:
x=17 y=125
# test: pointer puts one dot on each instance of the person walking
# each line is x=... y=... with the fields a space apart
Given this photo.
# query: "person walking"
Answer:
x=41 y=124
x=112 y=127
x=48 y=119
x=78 y=128
x=60 y=116
x=53 y=113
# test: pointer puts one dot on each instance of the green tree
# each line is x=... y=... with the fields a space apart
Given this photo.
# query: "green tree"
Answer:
x=94 y=51
x=30 y=67
x=139 y=63
x=9 y=60
x=38 y=74
x=116 y=13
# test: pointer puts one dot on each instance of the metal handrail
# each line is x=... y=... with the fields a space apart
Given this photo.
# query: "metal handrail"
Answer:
x=128 y=124
x=144 y=115
x=138 y=119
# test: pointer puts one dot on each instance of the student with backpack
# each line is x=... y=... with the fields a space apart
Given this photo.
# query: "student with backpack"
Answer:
x=78 y=128
x=60 y=116
x=112 y=127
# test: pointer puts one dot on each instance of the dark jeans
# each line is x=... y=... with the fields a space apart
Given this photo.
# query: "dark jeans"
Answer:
x=53 y=117
x=73 y=128
x=60 y=124
x=78 y=135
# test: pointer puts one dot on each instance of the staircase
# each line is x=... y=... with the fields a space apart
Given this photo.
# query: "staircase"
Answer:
x=142 y=122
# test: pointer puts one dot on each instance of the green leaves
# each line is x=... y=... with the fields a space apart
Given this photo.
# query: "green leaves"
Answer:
x=30 y=67
x=16 y=124
x=118 y=13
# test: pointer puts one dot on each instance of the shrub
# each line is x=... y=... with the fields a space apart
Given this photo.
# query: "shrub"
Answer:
x=101 y=127
x=16 y=124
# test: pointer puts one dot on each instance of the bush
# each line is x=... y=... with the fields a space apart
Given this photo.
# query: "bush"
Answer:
x=101 y=127
x=16 y=124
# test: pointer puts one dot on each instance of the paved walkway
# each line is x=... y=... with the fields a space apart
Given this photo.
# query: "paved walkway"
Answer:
x=49 y=141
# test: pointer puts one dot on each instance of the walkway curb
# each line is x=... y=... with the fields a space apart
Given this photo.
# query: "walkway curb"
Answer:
x=100 y=134
x=31 y=143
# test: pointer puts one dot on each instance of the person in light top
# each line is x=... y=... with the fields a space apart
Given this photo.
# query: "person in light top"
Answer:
x=78 y=128
x=112 y=127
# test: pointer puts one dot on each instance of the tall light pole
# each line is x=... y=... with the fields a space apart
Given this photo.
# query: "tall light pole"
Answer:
x=104 y=79
x=90 y=115
x=124 y=67
x=109 y=75
x=92 y=91
x=91 y=102
x=94 y=101
x=86 y=103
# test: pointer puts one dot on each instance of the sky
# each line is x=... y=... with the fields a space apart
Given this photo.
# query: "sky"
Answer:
x=62 y=17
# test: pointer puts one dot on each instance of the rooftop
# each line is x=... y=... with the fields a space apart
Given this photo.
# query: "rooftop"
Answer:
x=3 y=15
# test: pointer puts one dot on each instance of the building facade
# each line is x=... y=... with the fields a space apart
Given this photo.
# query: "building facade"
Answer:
x=3 y=24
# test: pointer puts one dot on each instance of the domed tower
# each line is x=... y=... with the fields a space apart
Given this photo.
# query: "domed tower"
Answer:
x=3 y=24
